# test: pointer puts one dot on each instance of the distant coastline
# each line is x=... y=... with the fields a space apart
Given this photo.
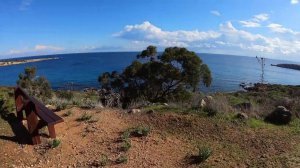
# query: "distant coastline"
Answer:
x=288 y=66
x=24 y=61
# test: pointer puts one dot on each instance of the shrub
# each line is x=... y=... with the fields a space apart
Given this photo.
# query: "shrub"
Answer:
x=204 y=153
x=38 y=87
x=140 y=131
x=68 y=95
x=122 y=159
x=210 y=111
x=126 y=145
x=61 y=106
x=88 y=104
x=84 y=117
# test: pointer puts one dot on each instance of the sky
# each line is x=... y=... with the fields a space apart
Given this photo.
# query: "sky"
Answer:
x=265 y=28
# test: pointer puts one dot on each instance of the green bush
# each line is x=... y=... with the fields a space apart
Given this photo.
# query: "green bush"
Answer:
x=204 y=153
x=38 y=87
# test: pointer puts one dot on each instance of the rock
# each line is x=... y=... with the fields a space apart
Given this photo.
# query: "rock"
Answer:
x=202 y=103
x=242 y=116
x=51 y=107
x=133 y=111
x=280 y=115
x=166 y=104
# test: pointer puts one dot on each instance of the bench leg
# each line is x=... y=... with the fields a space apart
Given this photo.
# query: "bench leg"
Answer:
x=51 y=130
x=32 y=122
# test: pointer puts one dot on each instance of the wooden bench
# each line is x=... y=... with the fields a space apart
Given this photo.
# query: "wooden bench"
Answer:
x=37 y=115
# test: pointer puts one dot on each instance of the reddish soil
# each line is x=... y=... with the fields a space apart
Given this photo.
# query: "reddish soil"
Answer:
x=171 y=142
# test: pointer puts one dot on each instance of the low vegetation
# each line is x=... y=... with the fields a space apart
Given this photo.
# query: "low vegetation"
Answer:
x=84 y=117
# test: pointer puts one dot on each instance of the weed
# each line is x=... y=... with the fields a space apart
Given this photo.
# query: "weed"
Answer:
x=125 y=135
x=84 y=117
x=126 y=145
x=140 y=131
x=204 y=153
x=54 y=143
x=122 y=159
x=68 y=113
x=103 y=160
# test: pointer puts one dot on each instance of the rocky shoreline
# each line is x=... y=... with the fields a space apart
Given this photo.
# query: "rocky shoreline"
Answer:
x=16 y=62
x=288 y=66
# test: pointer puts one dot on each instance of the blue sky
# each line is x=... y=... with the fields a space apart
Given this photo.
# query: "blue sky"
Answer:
x=249 y=27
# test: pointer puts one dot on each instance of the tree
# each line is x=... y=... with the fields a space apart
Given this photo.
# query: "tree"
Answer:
x=38 y=87
x=174 y=74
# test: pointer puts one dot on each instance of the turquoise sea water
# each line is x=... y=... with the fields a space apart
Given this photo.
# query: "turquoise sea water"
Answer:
x=83 y=70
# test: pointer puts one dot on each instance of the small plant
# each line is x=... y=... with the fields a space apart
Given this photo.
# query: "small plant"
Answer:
x=103 y=161
x=140 y=131
x=125 y=135
x=54 y=143
x=210 y=111
x=122 y=159
x=203 y=154
x=88 y=104
x=126 y=145
x=61 y=106
x=68 y=95
x=84 y=117
x=68 y=113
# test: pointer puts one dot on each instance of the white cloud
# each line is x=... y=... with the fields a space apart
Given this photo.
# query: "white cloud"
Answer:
x=249 y=24
x=47 y=48
x=215 y=12
x=255 y=21
x=280 y=29
x=294 y=2
x=226 y=39
x=148 y=32
x=261 y=17
x=25 y=4
x=37 y=49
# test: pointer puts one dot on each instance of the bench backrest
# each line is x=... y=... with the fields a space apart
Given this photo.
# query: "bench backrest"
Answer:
x=40 y=109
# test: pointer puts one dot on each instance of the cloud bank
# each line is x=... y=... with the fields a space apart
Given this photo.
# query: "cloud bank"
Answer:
x=227 y=38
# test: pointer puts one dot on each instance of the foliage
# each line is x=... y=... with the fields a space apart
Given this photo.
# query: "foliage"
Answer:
x=38 y=87
x=204 y=153
x=68 y=95
x=7 y=103
x=54 y=143
x=122 y=159
x=126 y=145
x=84 y=117
x=172 y=75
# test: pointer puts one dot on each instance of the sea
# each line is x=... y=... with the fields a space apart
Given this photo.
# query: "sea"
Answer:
x=81 y=70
